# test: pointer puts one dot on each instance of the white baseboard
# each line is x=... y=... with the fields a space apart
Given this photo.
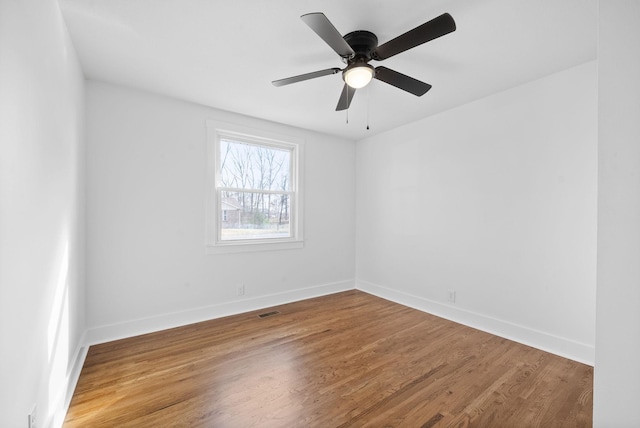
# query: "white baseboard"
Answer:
x=547 y=342
x=544 y=341
x=60 y=411
x=132 y=328
x=557 y=345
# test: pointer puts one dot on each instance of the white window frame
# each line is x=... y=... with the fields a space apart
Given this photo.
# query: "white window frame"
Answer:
x=216 y=131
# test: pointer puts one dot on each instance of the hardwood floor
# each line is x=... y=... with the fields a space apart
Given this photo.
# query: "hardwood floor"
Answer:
x=345 y=360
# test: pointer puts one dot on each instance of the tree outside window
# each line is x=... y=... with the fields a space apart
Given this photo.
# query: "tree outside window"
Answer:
x=257 y=178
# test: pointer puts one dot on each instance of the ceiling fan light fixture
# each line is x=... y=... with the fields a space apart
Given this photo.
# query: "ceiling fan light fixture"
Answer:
x=358 y=75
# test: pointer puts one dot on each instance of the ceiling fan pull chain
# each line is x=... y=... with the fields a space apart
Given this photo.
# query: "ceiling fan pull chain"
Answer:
x=368 y=105
x=347 y=86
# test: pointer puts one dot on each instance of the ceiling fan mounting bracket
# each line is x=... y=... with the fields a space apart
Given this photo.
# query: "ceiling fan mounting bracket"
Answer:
x=363 y=44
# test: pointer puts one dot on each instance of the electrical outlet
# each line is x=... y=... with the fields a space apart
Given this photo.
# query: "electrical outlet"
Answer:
x=32 y=418
x=241 y=290
x=451 y=296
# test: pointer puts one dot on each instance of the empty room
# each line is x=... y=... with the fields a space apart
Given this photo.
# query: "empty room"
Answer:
x=319 y=213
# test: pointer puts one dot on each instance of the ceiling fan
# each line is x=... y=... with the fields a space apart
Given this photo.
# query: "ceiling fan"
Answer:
x=357 y=48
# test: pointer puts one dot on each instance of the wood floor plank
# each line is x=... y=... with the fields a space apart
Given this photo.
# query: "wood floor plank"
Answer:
x=344 y=360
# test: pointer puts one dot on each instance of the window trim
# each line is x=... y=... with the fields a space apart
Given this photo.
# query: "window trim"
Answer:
x=213 y=244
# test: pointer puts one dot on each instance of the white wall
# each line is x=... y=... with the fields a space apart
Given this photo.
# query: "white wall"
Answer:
x=146 y=262
x=617 y=372
x=41 y=212
x=495 y=200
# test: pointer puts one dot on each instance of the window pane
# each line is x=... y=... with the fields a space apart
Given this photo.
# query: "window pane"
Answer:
x=254 y=215
x=248 y=166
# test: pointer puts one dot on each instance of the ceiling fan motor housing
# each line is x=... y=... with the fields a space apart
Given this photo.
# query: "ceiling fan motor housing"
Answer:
x=363 y=44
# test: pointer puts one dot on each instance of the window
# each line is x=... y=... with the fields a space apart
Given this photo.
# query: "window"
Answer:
x=254 y=200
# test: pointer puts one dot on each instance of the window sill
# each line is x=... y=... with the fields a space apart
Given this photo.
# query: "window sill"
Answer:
x=248 y=247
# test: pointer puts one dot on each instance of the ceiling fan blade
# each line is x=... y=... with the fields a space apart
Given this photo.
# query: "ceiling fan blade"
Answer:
x=402 y=81
x=307 y=76
x=345 y=98
x=319 y=23
x=437 y=27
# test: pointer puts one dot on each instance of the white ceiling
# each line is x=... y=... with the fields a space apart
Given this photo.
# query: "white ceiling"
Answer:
x=225 y=54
